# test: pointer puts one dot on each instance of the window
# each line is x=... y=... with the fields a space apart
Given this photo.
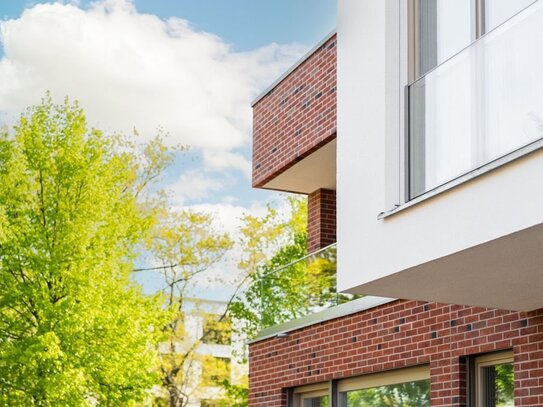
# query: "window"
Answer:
x=442 y=28
x=406 y=387
x=471 y=102
x=215 y=370
x=212 y=403
x=315 y=401
x=411 y=394
x=498 y=11
x=494 y=380
x=315 y=395
x=216 y=332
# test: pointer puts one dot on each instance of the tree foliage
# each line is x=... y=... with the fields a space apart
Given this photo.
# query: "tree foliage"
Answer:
x=74 y=330
x=411 y=394
x=186 y=244
x=76 y=209
x=281 y=288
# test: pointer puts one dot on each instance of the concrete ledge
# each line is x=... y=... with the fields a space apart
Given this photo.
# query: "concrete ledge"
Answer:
x=338 y=311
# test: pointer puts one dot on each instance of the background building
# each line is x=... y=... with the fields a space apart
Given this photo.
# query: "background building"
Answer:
x=216 y=353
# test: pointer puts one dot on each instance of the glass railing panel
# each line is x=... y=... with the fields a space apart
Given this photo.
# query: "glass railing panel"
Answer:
x=480 y=105
x=300 y=288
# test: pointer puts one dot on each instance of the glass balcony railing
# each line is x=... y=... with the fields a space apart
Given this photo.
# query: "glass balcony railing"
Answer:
x=479 y=106
x=300 y=288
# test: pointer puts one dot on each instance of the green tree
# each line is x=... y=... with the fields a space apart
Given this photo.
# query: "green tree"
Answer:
x=267 y=241
x=74 y=329
x=187 y=245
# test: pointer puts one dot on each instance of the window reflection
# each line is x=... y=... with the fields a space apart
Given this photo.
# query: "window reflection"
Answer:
x=316 y=402
x=444 y=28
x=498 y=11
x=413 y=394
x=498 y=385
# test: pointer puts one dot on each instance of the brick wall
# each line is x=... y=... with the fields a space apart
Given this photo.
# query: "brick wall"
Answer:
x=321 y=219
x=297 y=116
x=397 y=335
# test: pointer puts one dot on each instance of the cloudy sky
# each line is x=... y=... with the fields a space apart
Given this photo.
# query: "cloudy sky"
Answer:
x=190 y=67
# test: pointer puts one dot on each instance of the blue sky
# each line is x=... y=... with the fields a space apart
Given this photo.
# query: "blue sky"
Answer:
x=246 y=24
x=190 y=67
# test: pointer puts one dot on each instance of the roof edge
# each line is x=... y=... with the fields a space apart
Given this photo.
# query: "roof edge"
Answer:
x=304 y=58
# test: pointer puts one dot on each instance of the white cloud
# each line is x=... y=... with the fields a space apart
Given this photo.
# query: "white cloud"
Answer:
x=135 y=70
x=221 y=160
x=222 y=279
x=228 y=216
x=193 y=185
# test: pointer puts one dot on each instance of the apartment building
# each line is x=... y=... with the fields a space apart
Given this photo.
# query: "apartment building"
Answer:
x=216 y=356
x=415 y=131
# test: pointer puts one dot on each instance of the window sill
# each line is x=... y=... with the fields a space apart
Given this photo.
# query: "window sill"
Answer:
x=477 y=172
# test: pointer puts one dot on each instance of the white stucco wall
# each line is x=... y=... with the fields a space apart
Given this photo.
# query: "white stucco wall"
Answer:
x=422 y=240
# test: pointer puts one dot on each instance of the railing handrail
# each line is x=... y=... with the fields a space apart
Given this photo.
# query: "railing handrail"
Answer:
x=292 y=263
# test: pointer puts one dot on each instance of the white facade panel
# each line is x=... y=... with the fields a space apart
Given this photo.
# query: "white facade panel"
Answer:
x=445 y=248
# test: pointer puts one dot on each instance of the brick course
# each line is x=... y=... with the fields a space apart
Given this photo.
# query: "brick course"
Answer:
x=321 y=219
x=297 y=116
x=397 y=335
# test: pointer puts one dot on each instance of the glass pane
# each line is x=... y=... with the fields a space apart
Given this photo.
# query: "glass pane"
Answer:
x=445 y=28
x=498 y=11
x=498 y=385
x=414 y=394
x=316 y=402
x=478 y=106
x=297 y=289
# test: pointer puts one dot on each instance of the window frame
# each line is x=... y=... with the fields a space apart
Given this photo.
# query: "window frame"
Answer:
x=478 y=29
x=414 y=74
x=310 y=391
x=336 y=389
x=398 y=192
x=392 y=377
x=208 y=380
x=491 y=359
x=216 y=332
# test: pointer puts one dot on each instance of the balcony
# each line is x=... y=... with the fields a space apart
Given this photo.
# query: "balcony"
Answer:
x=302 y=293
x=467 y=227
x=294 y=126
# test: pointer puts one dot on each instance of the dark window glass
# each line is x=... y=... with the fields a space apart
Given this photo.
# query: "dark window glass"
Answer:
x=215 y=371
x=212 y=403
x=497 y=385
x=217 y=332
x=316 y=402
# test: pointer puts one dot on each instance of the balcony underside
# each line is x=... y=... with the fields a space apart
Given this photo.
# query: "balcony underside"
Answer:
x=316 y=171
x=293 y=120
x=506 y=273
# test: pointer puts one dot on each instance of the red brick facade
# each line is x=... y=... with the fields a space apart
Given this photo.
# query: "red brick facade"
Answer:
x=397 y=335
x=321 y=218
x=297 y=116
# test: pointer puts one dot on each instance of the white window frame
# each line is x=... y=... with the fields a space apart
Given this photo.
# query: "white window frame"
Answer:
x=397 y=137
